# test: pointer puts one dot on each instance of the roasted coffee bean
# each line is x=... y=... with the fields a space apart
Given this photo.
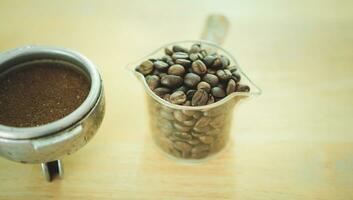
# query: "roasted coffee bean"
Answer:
x=189 y=122
x=160 y=65
x=191 y=80
x=153 y=81
x=171 y=81
x=166 y=115
x=232 y=68
x=202 y=122
x=200 y=148
x=200 y=155
x=183 y=62
x=166 y=97
x=217 y=63
x=189 y=113
x=168 y=60
x=177 y=48
x=180 y=55
x=224 y=74
x=231 y=86
x=208 y=60
x=217 y=122
x=178 y=115
x=195 y=48
x=199 y=67
x=197 y=115
x=183 y=135
x=180 y=127
x=211 y=79
x=210 y=99
x=161 y=75
x=190 y=94
x=200 y=98
x=194 y=142
x=224 y=60
x=204 y=86
x=183 y=146
x=243 y=88
x=146 y=67
x=177 y=70
x=203 y=52
x=206 y=139
x=161 y=91
x=218 y=92
x=236 y=77
x=178 y=97
x=194 y=56
x=187 y=103
x=182 y=88
x=168 y=51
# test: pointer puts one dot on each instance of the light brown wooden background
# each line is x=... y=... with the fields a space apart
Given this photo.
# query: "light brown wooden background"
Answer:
x=293 y=142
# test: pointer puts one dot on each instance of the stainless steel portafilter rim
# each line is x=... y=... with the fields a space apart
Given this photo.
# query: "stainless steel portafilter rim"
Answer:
x=21 y=55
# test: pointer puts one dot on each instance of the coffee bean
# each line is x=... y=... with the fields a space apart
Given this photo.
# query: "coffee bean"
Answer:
x=178 y=97
x=203 y=52
x=236 y=77
x=224 y=74
x=189 y=113
x=182 y=88
x=217 y=122
x=243 y=88
x=189 y=122
x=224 y=60
x=195 y=48
x=171 y=81
x=231 y=86
x=178 y=115
x=183 y=135
x=211 y=79
x=160 y=65
x=194 y=56
x=180 y=55
x=161 y=91
x=183 y=62
x=180 y=127
x=182 y=146
x=200 y=98
x=218 y=92
x=203 y=122
x=153 y=81
x=146 y=67
x=217 y=63
x=204 y=86
x=200 y=155
x=211 y=99
x=166 y=97
x=206 y=139
x=200 y=148
x=177 y=70
x=166 y=115
x=187 y=103
x=168 y=51
x=194 y=142
x=208 y=60
x=199 y=67
x=177 y=48
x=167 y=59
x=191 y=80
x=190 y=94
x=211 y=71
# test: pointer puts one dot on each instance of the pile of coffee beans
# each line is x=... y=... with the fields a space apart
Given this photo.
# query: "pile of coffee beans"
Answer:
x=191 y=77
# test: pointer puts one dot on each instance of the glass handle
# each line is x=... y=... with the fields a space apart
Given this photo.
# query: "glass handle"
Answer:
x=215 y=29
x=52 y=169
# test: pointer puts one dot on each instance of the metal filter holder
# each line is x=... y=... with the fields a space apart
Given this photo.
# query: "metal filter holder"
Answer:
x=48 y=143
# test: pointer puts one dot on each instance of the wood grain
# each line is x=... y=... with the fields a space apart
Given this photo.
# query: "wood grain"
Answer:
x=293 y=142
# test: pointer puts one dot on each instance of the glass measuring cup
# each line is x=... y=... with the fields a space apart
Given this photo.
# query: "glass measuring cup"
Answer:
x=194 y=133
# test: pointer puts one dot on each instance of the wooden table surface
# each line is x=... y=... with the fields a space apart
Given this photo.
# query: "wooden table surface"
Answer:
x=293 y=142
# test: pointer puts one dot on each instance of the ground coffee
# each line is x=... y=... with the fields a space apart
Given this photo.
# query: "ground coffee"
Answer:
x=41 y=93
